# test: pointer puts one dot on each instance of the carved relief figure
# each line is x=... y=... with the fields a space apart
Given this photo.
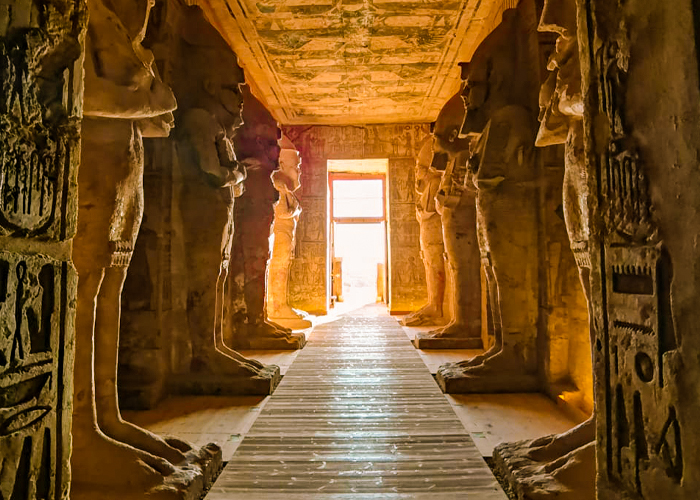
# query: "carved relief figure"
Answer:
x=124 y=101
x=283 y=240
x=501 y=117
x=644 y=360
x=431 y=244
x=39 y=153
x=561 y=122
x=257 y=148
x=209 y=113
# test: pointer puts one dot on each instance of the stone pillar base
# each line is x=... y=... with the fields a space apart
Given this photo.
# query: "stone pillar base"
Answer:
x=571 y=477
x=208 y=384
x=270 y=340
x=425 y=340
x=454 y=379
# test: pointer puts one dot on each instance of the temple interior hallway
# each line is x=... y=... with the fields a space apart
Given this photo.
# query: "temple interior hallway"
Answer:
x=357 y=408
x=359 y=416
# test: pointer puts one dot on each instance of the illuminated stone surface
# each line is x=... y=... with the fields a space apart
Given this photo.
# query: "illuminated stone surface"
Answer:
x=357 y=414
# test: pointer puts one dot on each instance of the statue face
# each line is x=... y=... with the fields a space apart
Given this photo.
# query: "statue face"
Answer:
x=290 y=167
x=447 y=128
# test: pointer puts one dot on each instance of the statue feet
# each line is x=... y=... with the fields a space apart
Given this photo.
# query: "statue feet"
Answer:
x=107 y=469
x=570 y=476
x=220 y=373
x=456 y=335
x=428 y=315
x=489 y=373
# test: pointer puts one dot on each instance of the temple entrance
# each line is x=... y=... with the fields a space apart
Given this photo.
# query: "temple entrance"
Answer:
x=358 y=232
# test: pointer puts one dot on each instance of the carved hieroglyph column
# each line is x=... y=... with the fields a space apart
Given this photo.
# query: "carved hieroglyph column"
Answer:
x=640 y=70
x=501 y=117
x=283 y=240
x=40 y=109
x=125 y=100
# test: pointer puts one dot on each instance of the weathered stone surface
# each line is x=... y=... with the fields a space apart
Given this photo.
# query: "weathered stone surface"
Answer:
x=500 y=117
x=641 y=89
x=40 y=107
x=283 y=241
x=125 y=100
x=455 y=201
x=209 y=181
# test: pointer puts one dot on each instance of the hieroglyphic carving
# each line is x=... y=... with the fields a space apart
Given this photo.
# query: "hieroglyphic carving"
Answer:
x=39 y=135
x=33 y=350
x=637 y=348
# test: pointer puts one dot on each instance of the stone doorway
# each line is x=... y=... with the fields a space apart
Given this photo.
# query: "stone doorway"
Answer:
x=358 y=237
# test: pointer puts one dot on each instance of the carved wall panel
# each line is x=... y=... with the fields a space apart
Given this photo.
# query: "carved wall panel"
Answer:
x=40 y=103
x=643 y=154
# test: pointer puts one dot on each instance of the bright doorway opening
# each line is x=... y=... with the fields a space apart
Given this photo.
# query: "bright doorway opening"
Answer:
x=358 y=232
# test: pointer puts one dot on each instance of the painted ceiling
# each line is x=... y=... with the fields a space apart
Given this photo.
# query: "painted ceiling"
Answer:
x=345 y=62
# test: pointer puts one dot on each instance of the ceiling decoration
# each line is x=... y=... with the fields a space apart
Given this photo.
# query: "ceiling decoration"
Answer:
x=345 y=62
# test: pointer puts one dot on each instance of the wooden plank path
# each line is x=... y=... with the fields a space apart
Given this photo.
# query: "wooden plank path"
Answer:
x=357 y=416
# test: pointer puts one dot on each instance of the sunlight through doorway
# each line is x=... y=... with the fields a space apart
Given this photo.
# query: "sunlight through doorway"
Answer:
x=358 y=232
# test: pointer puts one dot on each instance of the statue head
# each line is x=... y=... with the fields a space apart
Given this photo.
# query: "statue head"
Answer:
x=290 y=167
x=208 y=75
x=561 y=98
x=260 y=133
x=121 y=79
x=447 y=127
x=504 y=70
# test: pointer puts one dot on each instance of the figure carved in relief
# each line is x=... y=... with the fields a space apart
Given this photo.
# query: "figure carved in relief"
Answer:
x=283 y=240
x=561 y=122
x=124 y=101
x=431 y=243
x=258 y=149
x=209 y=113
x=501 y=118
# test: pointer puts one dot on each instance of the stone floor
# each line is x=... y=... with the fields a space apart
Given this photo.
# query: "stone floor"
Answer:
x=359 y=416
x=489 y=419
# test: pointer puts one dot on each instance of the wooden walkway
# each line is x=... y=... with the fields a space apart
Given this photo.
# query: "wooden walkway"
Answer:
x=357 y=416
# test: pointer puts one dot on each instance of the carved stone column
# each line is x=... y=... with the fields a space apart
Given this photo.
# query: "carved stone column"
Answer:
x=639 y=62
x=455 y=201
x=257 y=148
x=561 y=466
x=40 y=109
